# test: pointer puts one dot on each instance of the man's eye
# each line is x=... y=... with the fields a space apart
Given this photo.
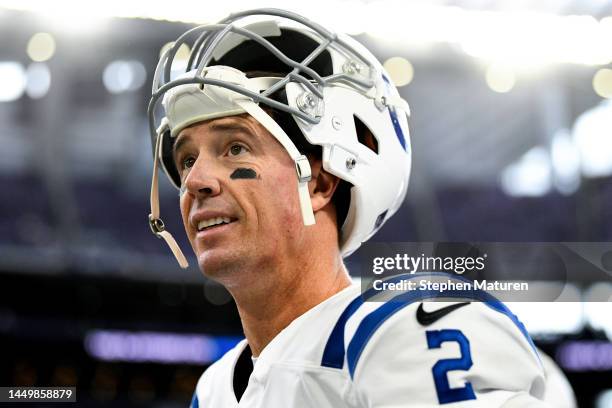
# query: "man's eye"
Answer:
x=236 y=149
x=188 y=162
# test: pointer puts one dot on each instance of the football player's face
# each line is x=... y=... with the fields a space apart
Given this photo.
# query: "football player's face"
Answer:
x=238 y=197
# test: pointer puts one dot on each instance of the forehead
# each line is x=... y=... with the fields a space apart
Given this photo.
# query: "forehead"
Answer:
x=230 y=124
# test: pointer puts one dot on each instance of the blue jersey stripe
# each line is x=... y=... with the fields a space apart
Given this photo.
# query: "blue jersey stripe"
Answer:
x=366 y=330
x=374 y=320
x=333 y=355
x=194 y=401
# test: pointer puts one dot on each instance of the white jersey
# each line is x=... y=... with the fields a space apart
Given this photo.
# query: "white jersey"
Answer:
x=345 y=352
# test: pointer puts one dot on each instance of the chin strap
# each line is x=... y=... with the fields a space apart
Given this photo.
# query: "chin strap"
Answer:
x=302 y=166
x=157 y=225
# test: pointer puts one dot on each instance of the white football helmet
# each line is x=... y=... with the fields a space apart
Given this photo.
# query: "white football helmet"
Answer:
x=329 y=83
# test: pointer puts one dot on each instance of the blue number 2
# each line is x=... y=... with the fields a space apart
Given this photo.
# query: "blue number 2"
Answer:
x=446 y=394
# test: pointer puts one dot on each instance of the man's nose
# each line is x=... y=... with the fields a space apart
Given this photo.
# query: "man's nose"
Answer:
x=203 y=179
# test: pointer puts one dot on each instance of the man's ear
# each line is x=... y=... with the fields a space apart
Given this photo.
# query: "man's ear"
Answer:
x=321 y=186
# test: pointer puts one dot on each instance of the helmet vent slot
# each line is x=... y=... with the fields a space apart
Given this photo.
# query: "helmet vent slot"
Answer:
x=365 y=135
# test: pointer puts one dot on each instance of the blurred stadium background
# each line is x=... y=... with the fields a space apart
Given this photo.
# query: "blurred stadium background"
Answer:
x=512 y=134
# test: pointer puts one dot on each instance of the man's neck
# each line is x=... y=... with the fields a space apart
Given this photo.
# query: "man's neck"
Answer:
x=268 y=310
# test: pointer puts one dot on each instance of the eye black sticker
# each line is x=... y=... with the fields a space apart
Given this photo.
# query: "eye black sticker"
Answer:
x=244 y=173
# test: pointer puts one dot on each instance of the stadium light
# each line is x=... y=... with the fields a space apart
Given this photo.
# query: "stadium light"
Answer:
x=38 y=80
x=500 y=78
x=122 y=76
x=41 y=47
x=400 y=70
x=602 y=82
x=591 y=134
x=530 y=175
x=12 y=81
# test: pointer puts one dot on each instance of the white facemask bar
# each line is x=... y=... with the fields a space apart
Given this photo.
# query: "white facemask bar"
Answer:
x=212 y=35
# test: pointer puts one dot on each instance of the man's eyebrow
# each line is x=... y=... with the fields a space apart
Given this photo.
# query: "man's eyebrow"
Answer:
x=181 y=140
x=219 y=127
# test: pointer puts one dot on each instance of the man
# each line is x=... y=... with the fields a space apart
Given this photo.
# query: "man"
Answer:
x=278 y=104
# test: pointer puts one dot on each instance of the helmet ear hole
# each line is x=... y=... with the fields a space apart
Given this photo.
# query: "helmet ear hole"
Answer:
x=365 y=135
x=342 y=202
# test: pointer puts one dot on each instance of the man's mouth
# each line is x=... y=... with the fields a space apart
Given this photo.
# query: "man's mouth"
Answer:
x=214 y=222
